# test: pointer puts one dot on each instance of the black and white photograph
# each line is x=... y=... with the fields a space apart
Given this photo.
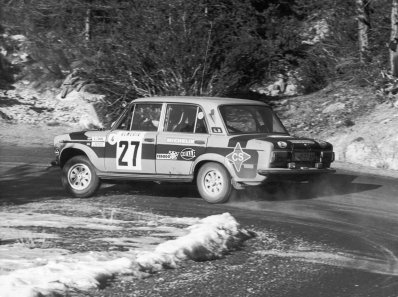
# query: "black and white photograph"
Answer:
x=203 y=148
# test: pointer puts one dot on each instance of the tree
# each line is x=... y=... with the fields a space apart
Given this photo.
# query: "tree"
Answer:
x=363 y=19
x=394 y=39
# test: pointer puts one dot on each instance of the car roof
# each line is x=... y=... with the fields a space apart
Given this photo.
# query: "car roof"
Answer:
x=199 y=100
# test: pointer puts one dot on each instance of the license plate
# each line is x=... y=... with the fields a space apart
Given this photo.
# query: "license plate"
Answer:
x=304 y=156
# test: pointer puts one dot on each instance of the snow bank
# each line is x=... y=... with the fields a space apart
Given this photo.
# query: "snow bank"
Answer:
x=209 y=238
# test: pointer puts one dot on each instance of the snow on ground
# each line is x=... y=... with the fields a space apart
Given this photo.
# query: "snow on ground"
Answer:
x=28 y=268
x=385 y=266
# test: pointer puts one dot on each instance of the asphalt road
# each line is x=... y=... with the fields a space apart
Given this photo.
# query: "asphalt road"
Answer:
x=335 y=238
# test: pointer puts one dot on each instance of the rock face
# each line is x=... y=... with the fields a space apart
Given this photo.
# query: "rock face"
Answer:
x=372 y=143
x=334 y=107
x=361 y=128
x=25 y=105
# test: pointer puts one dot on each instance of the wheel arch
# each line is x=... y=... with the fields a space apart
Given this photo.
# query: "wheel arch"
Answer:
x=69 y=153
x=206 y=158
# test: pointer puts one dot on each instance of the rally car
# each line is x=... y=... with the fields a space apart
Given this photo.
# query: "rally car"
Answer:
x=220 y=143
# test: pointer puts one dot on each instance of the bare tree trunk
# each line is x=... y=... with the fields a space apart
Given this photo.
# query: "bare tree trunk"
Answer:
x=363 y=18
x=394 y=39
x=87 y=25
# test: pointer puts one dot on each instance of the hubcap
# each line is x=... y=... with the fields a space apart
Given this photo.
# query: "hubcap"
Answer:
x=79 y=176
x=213 y=182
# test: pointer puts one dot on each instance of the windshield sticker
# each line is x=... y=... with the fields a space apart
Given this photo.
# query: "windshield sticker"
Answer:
x=238 y=157
x=216 y=130
x=180 y=140
x=171 y=155
x=188 y=154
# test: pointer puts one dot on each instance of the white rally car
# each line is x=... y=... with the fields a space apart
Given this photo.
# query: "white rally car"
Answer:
x=219 y=143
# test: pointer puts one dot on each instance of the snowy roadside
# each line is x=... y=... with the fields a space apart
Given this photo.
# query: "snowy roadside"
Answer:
x=34 y=263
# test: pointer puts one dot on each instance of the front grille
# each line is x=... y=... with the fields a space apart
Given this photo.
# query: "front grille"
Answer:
x=305 y=156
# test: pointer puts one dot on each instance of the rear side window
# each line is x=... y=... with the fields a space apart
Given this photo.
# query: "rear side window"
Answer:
x=245 y=119
x=184 y=118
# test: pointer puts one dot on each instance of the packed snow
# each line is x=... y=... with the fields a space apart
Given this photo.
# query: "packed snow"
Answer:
x=60 y=270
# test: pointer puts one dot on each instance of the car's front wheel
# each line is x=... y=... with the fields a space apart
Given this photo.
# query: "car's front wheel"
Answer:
x=214 y=183
x=79 y=177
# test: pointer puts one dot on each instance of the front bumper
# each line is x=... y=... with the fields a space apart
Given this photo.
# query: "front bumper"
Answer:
x=284 y=171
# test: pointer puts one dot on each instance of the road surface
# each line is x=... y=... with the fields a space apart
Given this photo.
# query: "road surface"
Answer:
x=336 y=238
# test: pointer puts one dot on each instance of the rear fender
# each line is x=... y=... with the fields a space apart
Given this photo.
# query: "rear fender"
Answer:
x=213 y=158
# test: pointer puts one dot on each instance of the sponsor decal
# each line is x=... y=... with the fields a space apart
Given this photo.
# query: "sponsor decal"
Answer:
x=128 y=150
x=238 y=157
x=188 y=154
x=129 y=134
x=112 y=139
x=171 y=155
x=98 y=144
x=180 y=140
x=98 y=138
x=248 y=166
x=216 y=130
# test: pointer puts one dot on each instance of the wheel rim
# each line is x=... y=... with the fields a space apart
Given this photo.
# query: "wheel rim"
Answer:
x=79 y=176
x=213 y=183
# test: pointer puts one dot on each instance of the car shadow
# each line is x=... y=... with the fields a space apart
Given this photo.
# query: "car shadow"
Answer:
x=149 y=188
x=334 y=184
x=28 y=183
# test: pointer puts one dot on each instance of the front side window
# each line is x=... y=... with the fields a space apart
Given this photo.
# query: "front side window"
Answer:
x=184 y=118
x=146 y=116
x=125 y=120
x=245 y=119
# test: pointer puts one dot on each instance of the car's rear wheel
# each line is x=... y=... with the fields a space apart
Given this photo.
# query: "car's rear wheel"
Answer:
x=214 y=183
x=79 y=177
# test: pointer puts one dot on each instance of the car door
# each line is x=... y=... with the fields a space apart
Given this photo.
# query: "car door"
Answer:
x=183 y=139
x=130 y=147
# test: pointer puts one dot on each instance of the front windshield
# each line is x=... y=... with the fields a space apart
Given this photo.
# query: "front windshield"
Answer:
x=246 y=119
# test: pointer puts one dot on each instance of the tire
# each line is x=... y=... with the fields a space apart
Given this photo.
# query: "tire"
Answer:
x=214 y=183
x=82 y=186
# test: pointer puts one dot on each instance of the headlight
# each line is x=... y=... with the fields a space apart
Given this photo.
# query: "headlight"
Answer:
x=322 y=143
x=282 y=144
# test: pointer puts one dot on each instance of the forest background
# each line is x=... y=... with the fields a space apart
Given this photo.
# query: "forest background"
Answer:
x=182 y=47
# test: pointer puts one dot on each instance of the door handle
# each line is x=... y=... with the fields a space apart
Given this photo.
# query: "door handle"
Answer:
x=149 y=139
x=200 y=142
